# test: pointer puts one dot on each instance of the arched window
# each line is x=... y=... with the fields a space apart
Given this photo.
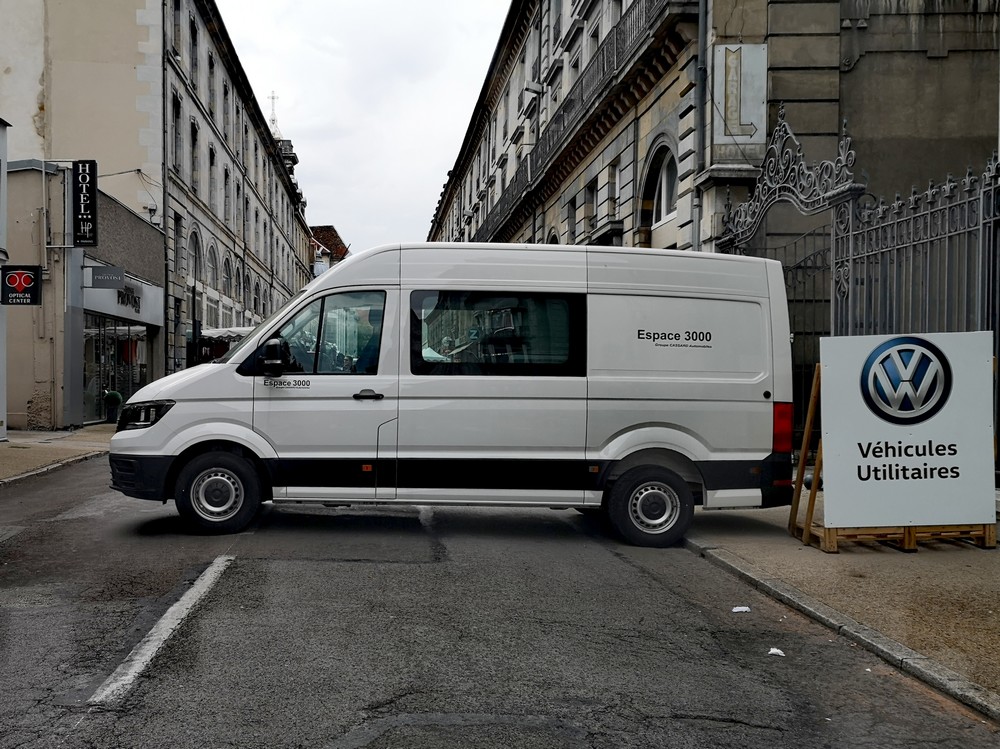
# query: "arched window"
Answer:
x=256 y=298
x=659 y=200
x=193 y=255
x=553 y=237
x=212 y=268
x=665 y=197
x=239 y=287
x=227 y=278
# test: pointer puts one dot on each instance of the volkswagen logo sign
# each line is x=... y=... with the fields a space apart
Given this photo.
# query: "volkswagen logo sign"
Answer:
x=906 y=380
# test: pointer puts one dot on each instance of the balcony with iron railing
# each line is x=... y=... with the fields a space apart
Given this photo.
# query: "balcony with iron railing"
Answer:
x=615 y=55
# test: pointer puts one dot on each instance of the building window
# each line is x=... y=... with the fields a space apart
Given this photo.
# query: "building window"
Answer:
x=225 y=112
x=571 y=220
x=227 y=278
x=195 y=166
x=212 y=269
x=212 y=313
x=178 y=132
x=614 y=192
x=211 y=86
x=213 y=185
x=238 y=219
x=194 y=53
x=497 y=333
x=590 y=207
x=665 y=193
x=256 y=298
x=226 y=197
x=176 y=36
x=193 y=256
x=180 y=257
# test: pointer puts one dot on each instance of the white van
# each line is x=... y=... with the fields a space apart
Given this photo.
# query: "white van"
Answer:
x=635 y=382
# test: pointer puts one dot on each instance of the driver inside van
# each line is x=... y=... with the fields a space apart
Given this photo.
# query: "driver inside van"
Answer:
x=367 y=361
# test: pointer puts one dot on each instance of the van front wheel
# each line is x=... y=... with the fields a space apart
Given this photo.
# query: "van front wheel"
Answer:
x=651 y=506
x=218 y=492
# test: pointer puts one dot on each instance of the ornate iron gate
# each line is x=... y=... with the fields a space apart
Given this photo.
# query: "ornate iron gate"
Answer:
x=807 y=260
x=926 y=264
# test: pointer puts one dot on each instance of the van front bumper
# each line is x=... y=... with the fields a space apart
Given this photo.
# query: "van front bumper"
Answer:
x=141 y=476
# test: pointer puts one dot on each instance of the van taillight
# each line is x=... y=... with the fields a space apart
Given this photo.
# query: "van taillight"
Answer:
x=782 y=440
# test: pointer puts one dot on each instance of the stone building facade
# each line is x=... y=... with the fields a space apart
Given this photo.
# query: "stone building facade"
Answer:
x=635 y=122
x=154 y=91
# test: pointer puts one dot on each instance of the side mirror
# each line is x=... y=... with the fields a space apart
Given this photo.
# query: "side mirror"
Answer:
x=274 y=361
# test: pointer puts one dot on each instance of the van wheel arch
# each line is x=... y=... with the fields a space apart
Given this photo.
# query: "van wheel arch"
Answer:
x=669 y=460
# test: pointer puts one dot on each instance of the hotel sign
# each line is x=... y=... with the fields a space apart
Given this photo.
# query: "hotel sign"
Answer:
x=85 y=203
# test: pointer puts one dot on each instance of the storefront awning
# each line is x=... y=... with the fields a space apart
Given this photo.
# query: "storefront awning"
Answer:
x=224 y=334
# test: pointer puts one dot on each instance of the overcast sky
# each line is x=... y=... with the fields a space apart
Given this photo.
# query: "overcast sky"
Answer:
x=375 y=95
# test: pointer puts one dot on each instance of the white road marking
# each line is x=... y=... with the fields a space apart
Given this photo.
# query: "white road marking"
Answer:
x=116 y=685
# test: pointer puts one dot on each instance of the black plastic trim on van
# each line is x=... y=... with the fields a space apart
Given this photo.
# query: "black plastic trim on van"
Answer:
x=142 y=477
x=420 y=473
x=741 y=474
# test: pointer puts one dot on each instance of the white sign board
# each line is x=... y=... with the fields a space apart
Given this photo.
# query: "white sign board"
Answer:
x=908 y=430
x=740 y=95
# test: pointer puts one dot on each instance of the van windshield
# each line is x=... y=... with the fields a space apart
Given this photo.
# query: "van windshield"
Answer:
x=252 y=335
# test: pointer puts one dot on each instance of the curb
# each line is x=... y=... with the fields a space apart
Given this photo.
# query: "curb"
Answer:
x=4 y=483
x=896 y=654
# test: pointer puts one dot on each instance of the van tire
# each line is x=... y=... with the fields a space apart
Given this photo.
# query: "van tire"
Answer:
x=218 y=492
x=650 y=506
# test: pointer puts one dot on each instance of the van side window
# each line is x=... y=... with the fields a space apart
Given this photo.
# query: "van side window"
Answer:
x=519 y=333
x=337 y=334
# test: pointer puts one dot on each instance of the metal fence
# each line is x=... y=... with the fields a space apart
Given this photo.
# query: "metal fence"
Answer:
x=926 y=264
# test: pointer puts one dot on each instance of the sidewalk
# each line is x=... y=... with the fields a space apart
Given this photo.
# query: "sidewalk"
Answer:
x=28 y=453
x=934 y=613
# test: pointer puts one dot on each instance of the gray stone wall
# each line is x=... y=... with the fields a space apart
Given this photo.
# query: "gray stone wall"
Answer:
x=129 y=241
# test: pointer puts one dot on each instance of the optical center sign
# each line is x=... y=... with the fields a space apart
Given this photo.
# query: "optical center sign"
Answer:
x=908 y=430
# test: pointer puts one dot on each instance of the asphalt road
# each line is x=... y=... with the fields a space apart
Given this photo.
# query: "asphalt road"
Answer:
x=413 y=627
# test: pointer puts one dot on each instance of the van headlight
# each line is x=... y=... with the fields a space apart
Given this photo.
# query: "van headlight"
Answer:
x=142 y=415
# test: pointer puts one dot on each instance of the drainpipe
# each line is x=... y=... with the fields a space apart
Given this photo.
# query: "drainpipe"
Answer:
x=169 y=321
x=699 y=123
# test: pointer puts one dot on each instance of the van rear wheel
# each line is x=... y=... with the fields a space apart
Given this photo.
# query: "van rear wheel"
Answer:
x=651 y=506
x=218 y=492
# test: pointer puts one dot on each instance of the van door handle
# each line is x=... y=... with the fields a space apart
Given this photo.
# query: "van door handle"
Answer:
x=368 y=395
